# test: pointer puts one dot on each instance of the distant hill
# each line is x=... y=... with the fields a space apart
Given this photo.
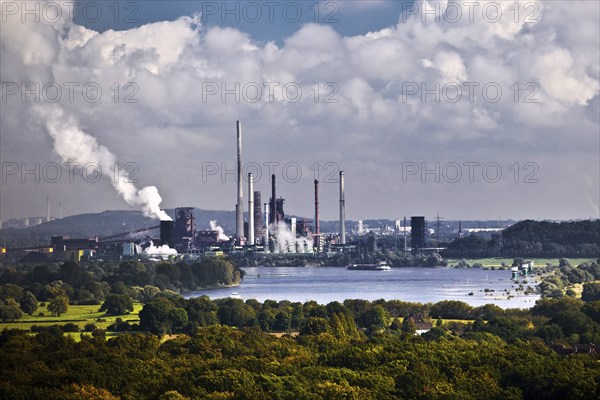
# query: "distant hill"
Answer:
x=554 y=239
x=103 y=224
x=113 y=222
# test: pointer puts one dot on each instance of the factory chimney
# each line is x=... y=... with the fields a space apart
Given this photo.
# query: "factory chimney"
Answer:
x=266 y=228
x=239 y=208
x=273 y=213
x=317 y=230
x=48 y=208
x=250 y=209
x=342 y=210
x=258 y=222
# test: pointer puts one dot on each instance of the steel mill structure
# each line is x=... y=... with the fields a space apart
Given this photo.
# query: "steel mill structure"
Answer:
x=266 y=229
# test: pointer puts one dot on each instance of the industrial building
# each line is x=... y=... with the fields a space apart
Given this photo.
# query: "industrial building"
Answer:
x=417 y=229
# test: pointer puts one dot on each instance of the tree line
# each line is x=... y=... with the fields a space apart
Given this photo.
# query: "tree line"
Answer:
x=61 y=284
x=332 y=357
x=530 y=238
x=355 y=349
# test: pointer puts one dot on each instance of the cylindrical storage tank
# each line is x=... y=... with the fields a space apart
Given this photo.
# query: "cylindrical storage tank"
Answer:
x=417 y=232
x=166 y=233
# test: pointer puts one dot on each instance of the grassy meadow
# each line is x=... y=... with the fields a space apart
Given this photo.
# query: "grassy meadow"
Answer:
x=80 y=315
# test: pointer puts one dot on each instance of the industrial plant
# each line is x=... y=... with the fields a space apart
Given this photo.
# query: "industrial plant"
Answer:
x=266 y=229
x=263 y=228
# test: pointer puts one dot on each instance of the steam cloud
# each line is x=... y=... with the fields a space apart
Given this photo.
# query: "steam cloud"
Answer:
x=215 y=227
x=75 y=146
x=159 y=250
x=33 y=49
x=285 y=242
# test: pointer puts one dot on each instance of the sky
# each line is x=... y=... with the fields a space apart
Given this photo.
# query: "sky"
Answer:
x=473 y=110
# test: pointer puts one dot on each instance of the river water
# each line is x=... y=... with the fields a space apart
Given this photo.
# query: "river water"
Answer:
x=423 y=285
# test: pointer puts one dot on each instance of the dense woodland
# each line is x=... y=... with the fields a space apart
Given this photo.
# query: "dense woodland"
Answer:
x=533 y=239
x=233 y=349
x=91 y=282
x=356 y=350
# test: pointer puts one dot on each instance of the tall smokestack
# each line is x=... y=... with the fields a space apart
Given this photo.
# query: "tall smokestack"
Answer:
x=266 y=228
x=258 y=222
x=48 y=208
x=250 y=209
x=317 y=228
x=239 y=208
x=273 y=214
x=342 y=210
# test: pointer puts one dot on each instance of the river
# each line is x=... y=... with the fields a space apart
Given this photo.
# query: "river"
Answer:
x=423 y=285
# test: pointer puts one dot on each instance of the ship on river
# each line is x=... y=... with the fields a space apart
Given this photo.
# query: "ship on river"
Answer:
x=380 y=266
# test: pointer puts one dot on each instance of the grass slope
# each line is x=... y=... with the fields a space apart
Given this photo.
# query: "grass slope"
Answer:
x=79 y=315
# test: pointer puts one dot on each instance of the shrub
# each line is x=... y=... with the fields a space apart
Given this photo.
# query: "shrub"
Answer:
x=70 y=327
x=89 y=327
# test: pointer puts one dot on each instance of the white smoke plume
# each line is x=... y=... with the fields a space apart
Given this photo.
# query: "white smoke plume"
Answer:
x=34 y=49
x=159 y=250
x=285 y=242
x=75 y=146
x=215 y=227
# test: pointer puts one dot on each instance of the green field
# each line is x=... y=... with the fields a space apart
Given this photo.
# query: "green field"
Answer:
x=79 y=315
x=497 y=261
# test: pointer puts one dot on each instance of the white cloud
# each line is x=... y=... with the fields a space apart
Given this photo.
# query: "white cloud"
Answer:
x=451 y=66
x=557 y=75
x=176 y=125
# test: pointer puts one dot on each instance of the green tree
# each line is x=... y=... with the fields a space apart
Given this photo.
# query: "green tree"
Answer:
x=434 y=333
x=573 y=322
x=451 y=309
x=10 y=290
x=396 y=324
x=28 y=303
x=592 y=310
x=202 y=311
x=70 y=272
x=549 y=333
x=173 y=395
x=148 y=293
x=315 y=326
x=563 y=262
x=178 y=318
x=487 y=312
x=550 y=307
x=117 y=304
x=409 y=327
x=235 y=312
x=376 y=318
x=591 y=291
x=58 y=305
x=283 y=321
x=10 y=310
x=266 y=319
x=154 y=317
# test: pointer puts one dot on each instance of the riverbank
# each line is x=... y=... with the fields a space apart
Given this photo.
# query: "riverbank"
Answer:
x=498 y=261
